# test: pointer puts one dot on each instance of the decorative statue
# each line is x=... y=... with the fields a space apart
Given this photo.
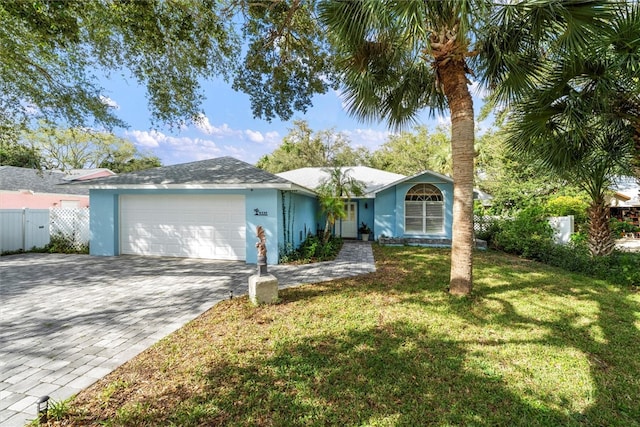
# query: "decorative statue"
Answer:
x=261 y=245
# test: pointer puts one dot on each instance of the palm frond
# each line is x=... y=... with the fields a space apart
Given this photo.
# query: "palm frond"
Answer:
x=524 y=38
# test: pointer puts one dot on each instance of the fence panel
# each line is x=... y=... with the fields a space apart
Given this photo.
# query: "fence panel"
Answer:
x=563 y=227
x=23 y=229
x=482 y=224
x=71 y=225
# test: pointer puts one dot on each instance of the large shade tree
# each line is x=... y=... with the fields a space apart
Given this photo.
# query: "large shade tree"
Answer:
x=410 y=152
x=53 y=53
x=398 y=58
x=303 y=147
x=80 y=148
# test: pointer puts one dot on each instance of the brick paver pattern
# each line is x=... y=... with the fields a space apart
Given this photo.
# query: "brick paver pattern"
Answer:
x=68 y=320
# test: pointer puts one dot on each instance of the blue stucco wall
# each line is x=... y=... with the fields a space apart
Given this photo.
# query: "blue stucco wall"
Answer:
x=298 y=218
x=385 y=214
x=103 y=223
x=264 y=201
x=365 y=214
x=389 y=207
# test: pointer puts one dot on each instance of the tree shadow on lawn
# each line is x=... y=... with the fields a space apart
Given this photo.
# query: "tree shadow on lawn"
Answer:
x=410 y=373
x=394 y=374
x=567 y=312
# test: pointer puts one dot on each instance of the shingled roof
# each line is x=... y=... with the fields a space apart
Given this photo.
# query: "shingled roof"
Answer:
x=373 y=179
x=218 y=172
x=13 y=178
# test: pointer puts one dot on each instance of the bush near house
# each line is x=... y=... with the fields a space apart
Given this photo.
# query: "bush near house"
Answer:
x=569 y=205
x=62 y=244
x=620 y=228
x=313 y=250
x=529 y=235
x=58 y=244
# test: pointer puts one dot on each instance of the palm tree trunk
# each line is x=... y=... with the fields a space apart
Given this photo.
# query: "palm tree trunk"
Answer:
x=454 y=80
x=327 y=231
x=600 y=237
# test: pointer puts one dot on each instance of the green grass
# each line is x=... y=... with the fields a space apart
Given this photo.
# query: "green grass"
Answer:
x=533 y=346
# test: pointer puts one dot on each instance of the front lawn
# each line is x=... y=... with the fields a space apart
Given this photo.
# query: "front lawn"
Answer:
x=533 y=346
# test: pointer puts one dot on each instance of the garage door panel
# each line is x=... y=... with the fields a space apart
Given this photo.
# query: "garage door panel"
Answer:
x=184 y=226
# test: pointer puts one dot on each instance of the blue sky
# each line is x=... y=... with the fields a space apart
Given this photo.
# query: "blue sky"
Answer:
x=228 y=127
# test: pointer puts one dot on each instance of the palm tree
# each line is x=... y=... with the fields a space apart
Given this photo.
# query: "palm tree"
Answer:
x=582 y=122
x=399 y=57
x=332 y=192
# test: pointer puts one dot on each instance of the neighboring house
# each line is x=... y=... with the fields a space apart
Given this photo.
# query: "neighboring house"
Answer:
x=625 y=202
x=35 y=189
x=211 y=208
x=393 y=205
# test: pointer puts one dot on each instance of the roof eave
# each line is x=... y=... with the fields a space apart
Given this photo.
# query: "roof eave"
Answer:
x=408 y=178
x=241 y=186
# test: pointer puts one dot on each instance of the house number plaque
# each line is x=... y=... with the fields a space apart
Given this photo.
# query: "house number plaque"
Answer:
x=258 y=212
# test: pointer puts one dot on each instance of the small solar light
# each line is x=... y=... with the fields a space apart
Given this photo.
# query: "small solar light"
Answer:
x=43 y=409
x=230 y=294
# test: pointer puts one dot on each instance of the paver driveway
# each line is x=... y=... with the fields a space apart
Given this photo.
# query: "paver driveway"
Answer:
x=68 y=320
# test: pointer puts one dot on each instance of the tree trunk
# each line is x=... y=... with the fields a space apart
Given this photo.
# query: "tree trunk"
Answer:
x=327 y=231
x=600 y=237
x=454 y=80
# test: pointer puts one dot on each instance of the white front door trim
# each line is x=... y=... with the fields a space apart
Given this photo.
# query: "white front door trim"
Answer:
x=349 y=225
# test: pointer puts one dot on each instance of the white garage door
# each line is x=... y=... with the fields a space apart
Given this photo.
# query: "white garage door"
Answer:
x=183 y=226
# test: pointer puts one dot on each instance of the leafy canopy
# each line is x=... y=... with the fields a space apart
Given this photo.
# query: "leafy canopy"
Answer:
x=81 y=148
x=410 y=152
x=54 y=51
x=303 y=147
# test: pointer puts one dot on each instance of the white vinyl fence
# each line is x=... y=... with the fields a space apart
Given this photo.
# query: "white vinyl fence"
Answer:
x=25 y=229
x=563 y=226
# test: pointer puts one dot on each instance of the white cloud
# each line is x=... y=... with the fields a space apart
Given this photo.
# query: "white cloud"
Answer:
x=370 y=138
x=444 y=120
x=245 y=144
x=109 y=102
x=203 y=124
x=272 y=136
x=255 y=136
x=146 y=139
x=172 y=149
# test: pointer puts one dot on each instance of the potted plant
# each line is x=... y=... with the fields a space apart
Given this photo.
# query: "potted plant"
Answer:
x=364 y=230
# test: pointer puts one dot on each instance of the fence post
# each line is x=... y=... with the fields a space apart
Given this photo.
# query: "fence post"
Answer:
x=24 y=229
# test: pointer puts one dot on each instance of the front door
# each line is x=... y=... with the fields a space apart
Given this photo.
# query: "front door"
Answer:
x=349 y=225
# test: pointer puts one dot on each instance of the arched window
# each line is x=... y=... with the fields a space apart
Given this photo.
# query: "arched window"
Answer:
x=423 y=210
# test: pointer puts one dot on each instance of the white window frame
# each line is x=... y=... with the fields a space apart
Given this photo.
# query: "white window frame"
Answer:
x=425 y=196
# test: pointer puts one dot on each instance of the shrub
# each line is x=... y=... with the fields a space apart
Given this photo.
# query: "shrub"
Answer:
x=533 y=241
x=528 y=234
x=65 y=245
x=619 y=228
x=568 y=205
x=313 y=250
x=620 y=268
x=487 y=226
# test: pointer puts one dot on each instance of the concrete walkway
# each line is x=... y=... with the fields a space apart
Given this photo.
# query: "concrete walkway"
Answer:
x=68 y=320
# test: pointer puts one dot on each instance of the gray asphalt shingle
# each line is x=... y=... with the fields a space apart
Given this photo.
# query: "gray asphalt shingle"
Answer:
x=15 y=179
x=221 y=170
